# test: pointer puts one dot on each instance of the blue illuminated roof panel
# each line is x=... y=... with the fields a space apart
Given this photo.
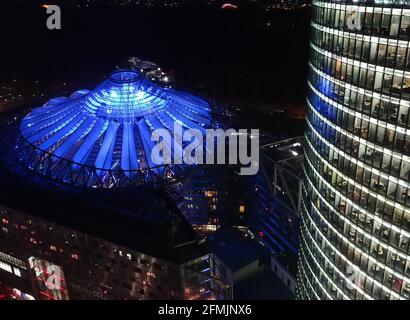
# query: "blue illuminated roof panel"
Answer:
x=101 y=138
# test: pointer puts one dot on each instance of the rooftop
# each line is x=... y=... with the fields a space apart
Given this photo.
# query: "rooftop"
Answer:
x=103 y=138
x=236 y=252
x=264 y=285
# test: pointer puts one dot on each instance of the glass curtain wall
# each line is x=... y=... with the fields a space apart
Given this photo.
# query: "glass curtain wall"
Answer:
x=356 y=197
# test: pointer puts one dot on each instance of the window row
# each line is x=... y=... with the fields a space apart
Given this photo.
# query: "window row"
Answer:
x=394 y=85
x=314 y=282
x=383 y=203
x=383 y=108
x=344 y=274
x=360 y=199
x=331 y=275
x=376 y=133
x=368 y=178
x=383 y=24
x=391 y=56
x=364 y=239
x=379 y=3
x=365 y=152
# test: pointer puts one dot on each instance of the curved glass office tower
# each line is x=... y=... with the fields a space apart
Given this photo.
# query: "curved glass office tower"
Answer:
x=356 y=197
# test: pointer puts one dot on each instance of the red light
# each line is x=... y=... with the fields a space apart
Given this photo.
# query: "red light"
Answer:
x=229 y=6
x=5 y=221
x=48 y=296
x=260 y=234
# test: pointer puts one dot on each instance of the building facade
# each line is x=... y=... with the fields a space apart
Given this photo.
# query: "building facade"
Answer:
x=42 y=260
x=213 y=197
x=356 y=199
x=275 y=201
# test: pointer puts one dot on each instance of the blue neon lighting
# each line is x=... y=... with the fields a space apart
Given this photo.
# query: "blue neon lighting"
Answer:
x=109 y=128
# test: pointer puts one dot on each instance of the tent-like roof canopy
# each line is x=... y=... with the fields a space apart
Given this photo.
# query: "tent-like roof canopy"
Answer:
x=102 y=138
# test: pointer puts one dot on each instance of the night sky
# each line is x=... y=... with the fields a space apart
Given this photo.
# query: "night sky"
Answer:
x=240 y=56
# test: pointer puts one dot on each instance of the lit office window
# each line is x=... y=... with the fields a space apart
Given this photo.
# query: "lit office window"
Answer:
x=356 y=186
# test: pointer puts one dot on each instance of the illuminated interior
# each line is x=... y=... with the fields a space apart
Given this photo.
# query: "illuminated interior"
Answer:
x=102 y=138
x=355 y=238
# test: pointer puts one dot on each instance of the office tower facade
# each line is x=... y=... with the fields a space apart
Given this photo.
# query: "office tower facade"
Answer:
x=356 y=207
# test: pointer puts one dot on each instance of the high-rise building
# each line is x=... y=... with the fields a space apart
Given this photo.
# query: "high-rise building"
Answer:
x=355 y=232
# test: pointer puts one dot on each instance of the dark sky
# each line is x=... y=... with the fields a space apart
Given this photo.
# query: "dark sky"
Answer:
x=232 y=55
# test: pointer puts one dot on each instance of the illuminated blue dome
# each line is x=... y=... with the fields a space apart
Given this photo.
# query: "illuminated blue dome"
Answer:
x=102 y=138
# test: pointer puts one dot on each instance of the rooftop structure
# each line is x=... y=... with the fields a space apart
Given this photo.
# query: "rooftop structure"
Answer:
x=102 y=138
